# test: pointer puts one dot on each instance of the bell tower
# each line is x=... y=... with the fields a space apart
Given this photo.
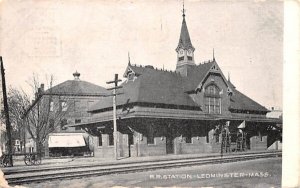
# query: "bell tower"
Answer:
x=185 y=49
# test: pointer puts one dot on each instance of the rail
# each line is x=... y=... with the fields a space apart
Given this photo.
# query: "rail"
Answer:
x=100 y=170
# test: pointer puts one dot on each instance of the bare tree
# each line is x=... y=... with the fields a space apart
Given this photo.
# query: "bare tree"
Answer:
x=41 y=116
x=18 y=102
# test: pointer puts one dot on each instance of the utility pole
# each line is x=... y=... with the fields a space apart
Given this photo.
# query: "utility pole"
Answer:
x=115 y=81
x=6 y=112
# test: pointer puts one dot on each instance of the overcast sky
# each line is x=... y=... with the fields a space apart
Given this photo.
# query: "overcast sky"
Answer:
x=94 y=37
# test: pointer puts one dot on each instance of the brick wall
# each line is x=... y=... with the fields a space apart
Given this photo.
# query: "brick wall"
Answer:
x=158 y=148
x=107 y=151
x=198 y=145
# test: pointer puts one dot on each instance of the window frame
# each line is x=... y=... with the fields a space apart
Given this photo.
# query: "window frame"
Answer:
x=51 y=106
x=212 y=99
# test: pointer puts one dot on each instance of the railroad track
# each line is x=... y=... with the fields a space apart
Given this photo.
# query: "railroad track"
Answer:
x=42 y=175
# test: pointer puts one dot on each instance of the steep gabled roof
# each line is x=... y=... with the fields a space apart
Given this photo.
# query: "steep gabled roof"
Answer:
x=196 y=74
x=77 y=87
x=170 y=88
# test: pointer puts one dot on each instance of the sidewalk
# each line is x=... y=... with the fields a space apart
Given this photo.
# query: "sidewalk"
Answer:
x=79 y=161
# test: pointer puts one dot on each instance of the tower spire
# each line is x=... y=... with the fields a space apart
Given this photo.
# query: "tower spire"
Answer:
x=185 y=49
x=128 y=58
x=184 y=39
x=183 y=10
x=213 y=54
x=228 y=76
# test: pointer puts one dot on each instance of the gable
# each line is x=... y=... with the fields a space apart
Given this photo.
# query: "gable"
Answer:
x=214 y=70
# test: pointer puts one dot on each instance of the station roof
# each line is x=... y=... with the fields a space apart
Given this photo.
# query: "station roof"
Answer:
x=76 y=87
x=161 y=87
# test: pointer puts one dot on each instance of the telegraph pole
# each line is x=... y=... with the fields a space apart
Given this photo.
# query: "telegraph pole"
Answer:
x=115 y=81
x=6 y=112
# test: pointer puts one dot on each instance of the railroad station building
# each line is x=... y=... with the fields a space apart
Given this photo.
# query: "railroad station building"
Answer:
x=178 y=112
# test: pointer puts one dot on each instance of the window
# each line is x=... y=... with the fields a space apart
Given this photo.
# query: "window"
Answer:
x=150 y=138
x=180 y=58
x=77 y=121
x=100 y=140
x=63 y=123
x=131 y=76
x=110 y=139
x=51 y=106
x=63 y=106
x=190 y=58
x=212 y=99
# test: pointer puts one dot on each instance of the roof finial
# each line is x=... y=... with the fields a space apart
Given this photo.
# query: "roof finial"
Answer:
x=76 y=75
x=128 y=58
x=183 y=10
x=228 y=76
x=213 y=54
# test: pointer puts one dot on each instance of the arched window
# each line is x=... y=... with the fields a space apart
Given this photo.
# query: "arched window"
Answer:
x=212 y=99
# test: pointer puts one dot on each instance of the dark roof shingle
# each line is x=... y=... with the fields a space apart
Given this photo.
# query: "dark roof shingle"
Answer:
x=170 y=88
x=152 y=86
x=184 y=39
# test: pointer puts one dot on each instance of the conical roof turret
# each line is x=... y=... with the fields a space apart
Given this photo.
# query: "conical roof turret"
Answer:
x=184 y=40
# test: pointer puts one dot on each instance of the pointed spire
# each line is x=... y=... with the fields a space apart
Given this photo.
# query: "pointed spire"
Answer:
x=129 y=59
x=183 y=10
x=184 y=40
x=214 y=54
x=228 y=76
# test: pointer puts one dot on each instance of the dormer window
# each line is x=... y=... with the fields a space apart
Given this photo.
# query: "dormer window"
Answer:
x=229 y=91
x=131 y=76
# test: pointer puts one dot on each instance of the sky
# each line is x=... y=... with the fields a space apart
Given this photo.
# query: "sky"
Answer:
x=94 y=37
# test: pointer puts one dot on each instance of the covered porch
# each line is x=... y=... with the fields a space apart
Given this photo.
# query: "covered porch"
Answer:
x=147 y=136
